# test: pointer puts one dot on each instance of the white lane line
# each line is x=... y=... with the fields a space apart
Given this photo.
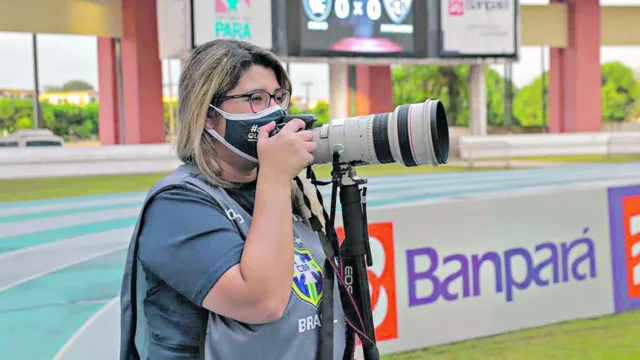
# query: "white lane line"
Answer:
x=501 y=174
x=516 y=192
x=22 y=210
x=435 y=181
x=24 y=265
x=33 y=225
x=426 y=189
x=98 y=335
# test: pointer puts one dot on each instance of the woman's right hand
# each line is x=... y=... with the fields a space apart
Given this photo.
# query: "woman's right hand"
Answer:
x=247 y=292
x=289 y=151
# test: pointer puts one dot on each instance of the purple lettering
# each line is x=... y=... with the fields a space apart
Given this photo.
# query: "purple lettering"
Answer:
x=476 y=263
x=463 y=273
x=588 y=255
x=414 y=276
x=513 y=270
x=552 y=260
x=510 y=282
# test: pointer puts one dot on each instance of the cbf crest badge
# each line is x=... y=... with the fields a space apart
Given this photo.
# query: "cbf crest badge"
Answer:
x=307 y=277
x=397 y=10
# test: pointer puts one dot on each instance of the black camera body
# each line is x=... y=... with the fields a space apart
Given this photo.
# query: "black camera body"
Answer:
x=309 y=120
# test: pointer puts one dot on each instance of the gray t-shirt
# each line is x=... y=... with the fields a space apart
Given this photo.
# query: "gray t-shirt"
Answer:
x=186 y=244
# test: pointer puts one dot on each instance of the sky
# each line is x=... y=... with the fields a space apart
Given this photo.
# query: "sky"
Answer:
x=69 y=57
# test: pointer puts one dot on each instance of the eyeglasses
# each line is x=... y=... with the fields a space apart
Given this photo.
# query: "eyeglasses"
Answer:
x=260 y=99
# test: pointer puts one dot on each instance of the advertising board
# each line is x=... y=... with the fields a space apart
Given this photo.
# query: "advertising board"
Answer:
x=248 y=20
x=357 y=26
x=473 y=268
x=479 y=28
x=624 y=217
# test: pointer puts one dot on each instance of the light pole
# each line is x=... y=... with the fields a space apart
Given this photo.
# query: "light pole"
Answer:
x=307 y=85
x=37 y=114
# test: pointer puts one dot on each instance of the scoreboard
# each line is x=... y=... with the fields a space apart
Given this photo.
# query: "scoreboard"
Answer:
x=417 y=30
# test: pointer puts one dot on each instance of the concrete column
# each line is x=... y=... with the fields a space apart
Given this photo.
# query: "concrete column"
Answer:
x=141 y=77
x=477 y=100
x=109 y=110
x=338 y=91
x=556 y=90
x=575 y=84
x=374 y=90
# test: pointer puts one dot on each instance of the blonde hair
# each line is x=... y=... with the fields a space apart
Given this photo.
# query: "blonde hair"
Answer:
x=210 y=72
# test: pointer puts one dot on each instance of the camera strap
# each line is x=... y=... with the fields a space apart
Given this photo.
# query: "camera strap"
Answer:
x=325 y=341
x=333 y=267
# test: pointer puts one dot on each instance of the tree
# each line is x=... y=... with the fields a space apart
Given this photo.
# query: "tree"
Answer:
x=619 y=92
x=75 y=85
x=11 y=110
x=527 y=104
x=635 y=109
x=456 y=79
x=24 y=123
x=416 y=83
x=450 y=85
x=496 y=87
x=63 y=120
x=52 y=88
x=321 y=110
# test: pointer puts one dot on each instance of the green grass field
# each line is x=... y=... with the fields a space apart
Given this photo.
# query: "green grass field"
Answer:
x=613 y=337
x=32 y=189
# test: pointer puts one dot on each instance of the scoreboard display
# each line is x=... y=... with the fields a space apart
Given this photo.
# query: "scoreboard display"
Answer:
x=357 y=27
x=349 y=30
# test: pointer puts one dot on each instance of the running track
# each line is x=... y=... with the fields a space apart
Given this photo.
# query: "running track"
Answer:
x=61 y=259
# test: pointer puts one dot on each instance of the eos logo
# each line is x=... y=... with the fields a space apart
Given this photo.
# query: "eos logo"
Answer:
x=382 y=280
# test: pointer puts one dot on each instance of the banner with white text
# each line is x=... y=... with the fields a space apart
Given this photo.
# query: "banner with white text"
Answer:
x=479 y=28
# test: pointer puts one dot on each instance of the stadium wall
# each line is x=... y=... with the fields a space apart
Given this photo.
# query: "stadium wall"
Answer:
x=510 y=263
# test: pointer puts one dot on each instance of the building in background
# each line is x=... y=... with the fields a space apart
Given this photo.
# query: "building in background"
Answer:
x=77 y=97
x=16 y=94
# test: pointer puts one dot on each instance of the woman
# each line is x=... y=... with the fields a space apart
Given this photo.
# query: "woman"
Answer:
x=209 y=273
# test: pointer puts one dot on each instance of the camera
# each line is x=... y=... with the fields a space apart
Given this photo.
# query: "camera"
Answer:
x=411 y=135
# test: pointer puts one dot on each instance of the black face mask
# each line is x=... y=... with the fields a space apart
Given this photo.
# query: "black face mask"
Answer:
x=241 y=130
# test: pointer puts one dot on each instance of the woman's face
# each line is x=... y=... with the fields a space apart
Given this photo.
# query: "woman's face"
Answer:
x=257 y=77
